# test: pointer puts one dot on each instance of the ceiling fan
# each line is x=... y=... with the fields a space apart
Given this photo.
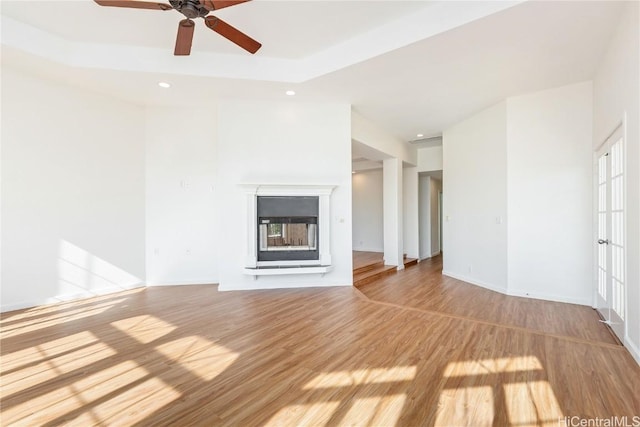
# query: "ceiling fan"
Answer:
x=192 y=9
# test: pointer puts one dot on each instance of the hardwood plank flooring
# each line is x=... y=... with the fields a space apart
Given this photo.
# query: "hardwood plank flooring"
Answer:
x=191 y=355
x=424 y=287
x=362 y=259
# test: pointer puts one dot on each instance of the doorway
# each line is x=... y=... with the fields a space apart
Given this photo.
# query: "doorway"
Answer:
x=610 y=227
x=430 y=213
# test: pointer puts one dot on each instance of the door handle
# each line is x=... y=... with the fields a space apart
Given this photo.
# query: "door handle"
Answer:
x=603 y=242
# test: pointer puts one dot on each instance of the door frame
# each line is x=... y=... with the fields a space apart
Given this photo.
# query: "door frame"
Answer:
x=619 y=130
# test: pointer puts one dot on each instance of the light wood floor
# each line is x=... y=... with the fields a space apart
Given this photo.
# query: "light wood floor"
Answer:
x=424 y=287
x=193 y=356
x=362 y=258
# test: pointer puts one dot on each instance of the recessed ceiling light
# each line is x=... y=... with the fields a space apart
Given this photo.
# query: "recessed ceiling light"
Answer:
x=419 y=135
x=164 y=85
x=290 y=92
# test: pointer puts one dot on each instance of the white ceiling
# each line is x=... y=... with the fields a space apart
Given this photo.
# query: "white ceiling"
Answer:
x=289 y=29
x=412 y=67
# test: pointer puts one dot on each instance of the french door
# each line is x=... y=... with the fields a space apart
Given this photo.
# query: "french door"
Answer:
x=611 y=232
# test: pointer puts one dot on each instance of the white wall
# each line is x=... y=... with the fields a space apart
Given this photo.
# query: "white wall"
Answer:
x=72 y=192
x=549 y=166
x=282 y=143
x=392 y=212
x=435 y=187
x=475 y=188
x=430 y=159
x=615 y=88
x=410 y=219
x=182 y=241
x=367 y=211
x=368 y=133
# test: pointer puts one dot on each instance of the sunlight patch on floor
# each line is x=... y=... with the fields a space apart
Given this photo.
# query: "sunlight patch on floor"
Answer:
x=492 y=366
x=50 y=368
x=201 y=357
x=468 y=406
x=316 y=414
x=133 y=404
x=375 y=411
x=532 y=404
x=48 y=349
x=362 y=376
x=117 y=385
x=145 y=328
x=55 y=318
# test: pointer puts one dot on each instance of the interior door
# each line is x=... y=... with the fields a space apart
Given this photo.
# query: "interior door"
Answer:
x=610 y=213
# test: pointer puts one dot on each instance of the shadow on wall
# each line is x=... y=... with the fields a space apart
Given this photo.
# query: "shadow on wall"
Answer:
x=80 y=273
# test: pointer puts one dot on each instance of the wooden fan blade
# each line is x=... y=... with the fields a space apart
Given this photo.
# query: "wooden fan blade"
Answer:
x=232 y=34
x=135 y=4
x=220 y=4
x=184 y=38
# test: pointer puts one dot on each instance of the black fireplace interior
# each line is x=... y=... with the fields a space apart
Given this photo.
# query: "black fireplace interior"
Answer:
x=287 y=228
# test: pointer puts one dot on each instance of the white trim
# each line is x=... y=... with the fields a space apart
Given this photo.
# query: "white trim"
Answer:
x=68 y=297
x=475 y=282
x=288 y=189
x=307 y=263
x=586 y=301
x=379 y=250
x=318 y=269
x=520 y=293
x=430 y=256
x=184 y=283
x=631 y=347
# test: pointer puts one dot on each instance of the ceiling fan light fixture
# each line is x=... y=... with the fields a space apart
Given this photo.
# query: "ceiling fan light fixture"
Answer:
x=419 y=135
x=192 y=9
x=164 y=85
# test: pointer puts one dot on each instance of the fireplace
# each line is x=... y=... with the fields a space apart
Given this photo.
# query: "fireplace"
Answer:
x=287 y=228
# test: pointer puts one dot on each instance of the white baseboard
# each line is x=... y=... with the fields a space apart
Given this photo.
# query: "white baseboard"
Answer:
x=184 y=283
x=68 y=297
x=519 y=292
x=633 y=349
x=367 y=249
x=475 y=282
x=427 y=256
x=550 y=297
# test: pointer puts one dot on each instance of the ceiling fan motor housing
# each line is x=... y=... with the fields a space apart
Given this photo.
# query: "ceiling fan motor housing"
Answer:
x=189 y=8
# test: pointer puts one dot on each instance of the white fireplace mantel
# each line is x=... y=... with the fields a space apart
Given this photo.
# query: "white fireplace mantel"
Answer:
x=323 y=192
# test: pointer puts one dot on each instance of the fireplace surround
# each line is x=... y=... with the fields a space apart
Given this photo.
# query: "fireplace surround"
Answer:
x=288 y=229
